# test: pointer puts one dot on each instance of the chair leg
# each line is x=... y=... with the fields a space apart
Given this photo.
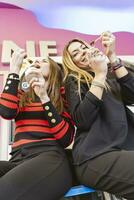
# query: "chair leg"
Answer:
x=100 y=195
x=107 y=196
x=117 y=198
x=112 y=197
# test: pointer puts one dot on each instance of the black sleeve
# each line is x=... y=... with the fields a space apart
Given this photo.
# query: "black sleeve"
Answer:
x=9 y=97
x=83 y=111
x=127 y=88
x=62 y=125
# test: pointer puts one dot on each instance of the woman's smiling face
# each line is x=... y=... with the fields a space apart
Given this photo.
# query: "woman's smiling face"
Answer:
x=82 y=55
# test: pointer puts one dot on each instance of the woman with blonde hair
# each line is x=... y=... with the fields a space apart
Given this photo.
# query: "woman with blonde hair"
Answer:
x=38 y=168
x=98 y=94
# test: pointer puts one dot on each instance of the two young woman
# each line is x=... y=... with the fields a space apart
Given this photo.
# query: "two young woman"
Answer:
x=98 y=94
x=38 y=168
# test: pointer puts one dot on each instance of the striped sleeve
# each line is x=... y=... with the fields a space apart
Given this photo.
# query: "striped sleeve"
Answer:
x=9 y=97
x=62 y=125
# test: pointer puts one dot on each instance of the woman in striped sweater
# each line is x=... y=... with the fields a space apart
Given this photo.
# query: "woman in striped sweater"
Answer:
x=38 y=168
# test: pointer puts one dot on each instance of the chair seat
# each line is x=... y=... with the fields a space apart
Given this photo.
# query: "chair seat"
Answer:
x=77 y=190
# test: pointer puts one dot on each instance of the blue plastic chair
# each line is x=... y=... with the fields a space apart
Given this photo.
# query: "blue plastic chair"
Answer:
x=78 y=190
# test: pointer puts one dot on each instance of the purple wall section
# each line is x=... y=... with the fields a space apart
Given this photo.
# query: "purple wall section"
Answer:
x=5 y=5
x=20 y=25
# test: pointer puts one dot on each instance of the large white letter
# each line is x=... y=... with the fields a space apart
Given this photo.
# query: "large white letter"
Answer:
x=47 y=48
x=30 y=48
x=7 y=48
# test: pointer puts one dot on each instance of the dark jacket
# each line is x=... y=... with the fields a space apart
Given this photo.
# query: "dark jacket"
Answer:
x=102 y=125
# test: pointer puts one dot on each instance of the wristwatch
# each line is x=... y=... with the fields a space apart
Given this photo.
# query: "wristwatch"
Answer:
x=117 y=64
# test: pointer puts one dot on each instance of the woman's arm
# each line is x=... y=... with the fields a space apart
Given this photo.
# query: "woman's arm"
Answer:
x=62 y=126
x=125 y=79
x=108 y=43
x=9 y=97
x=83 y=111
x=127 y=88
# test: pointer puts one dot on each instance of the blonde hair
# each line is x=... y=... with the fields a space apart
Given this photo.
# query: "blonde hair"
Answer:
x=71 y=69
x=55 y=81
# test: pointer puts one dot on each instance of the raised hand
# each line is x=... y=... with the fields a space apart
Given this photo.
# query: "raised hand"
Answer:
x=16 y=60
x=108 y=43
x=37 y=81
x=97 y=61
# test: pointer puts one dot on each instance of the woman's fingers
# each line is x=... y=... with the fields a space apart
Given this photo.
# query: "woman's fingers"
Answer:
x=17 y=60
x=19 y=53
x=34 y=79
x=106 y=33
x=36 y=84
x=108 y=42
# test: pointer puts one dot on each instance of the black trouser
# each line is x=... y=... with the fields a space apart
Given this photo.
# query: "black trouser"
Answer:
x=112 y=172
x=46 y=176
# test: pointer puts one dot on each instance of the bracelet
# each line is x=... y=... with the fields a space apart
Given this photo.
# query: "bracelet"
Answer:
x=98 y=84
x=117 y=64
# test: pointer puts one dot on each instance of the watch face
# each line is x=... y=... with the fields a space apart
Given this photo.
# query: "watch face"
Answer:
x=118 y=61
x=25 y=85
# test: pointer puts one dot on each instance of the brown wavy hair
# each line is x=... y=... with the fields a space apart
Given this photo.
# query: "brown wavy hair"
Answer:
x=55 y=82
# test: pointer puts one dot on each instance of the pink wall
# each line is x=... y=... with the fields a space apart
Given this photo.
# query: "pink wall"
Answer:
x=20 y=25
